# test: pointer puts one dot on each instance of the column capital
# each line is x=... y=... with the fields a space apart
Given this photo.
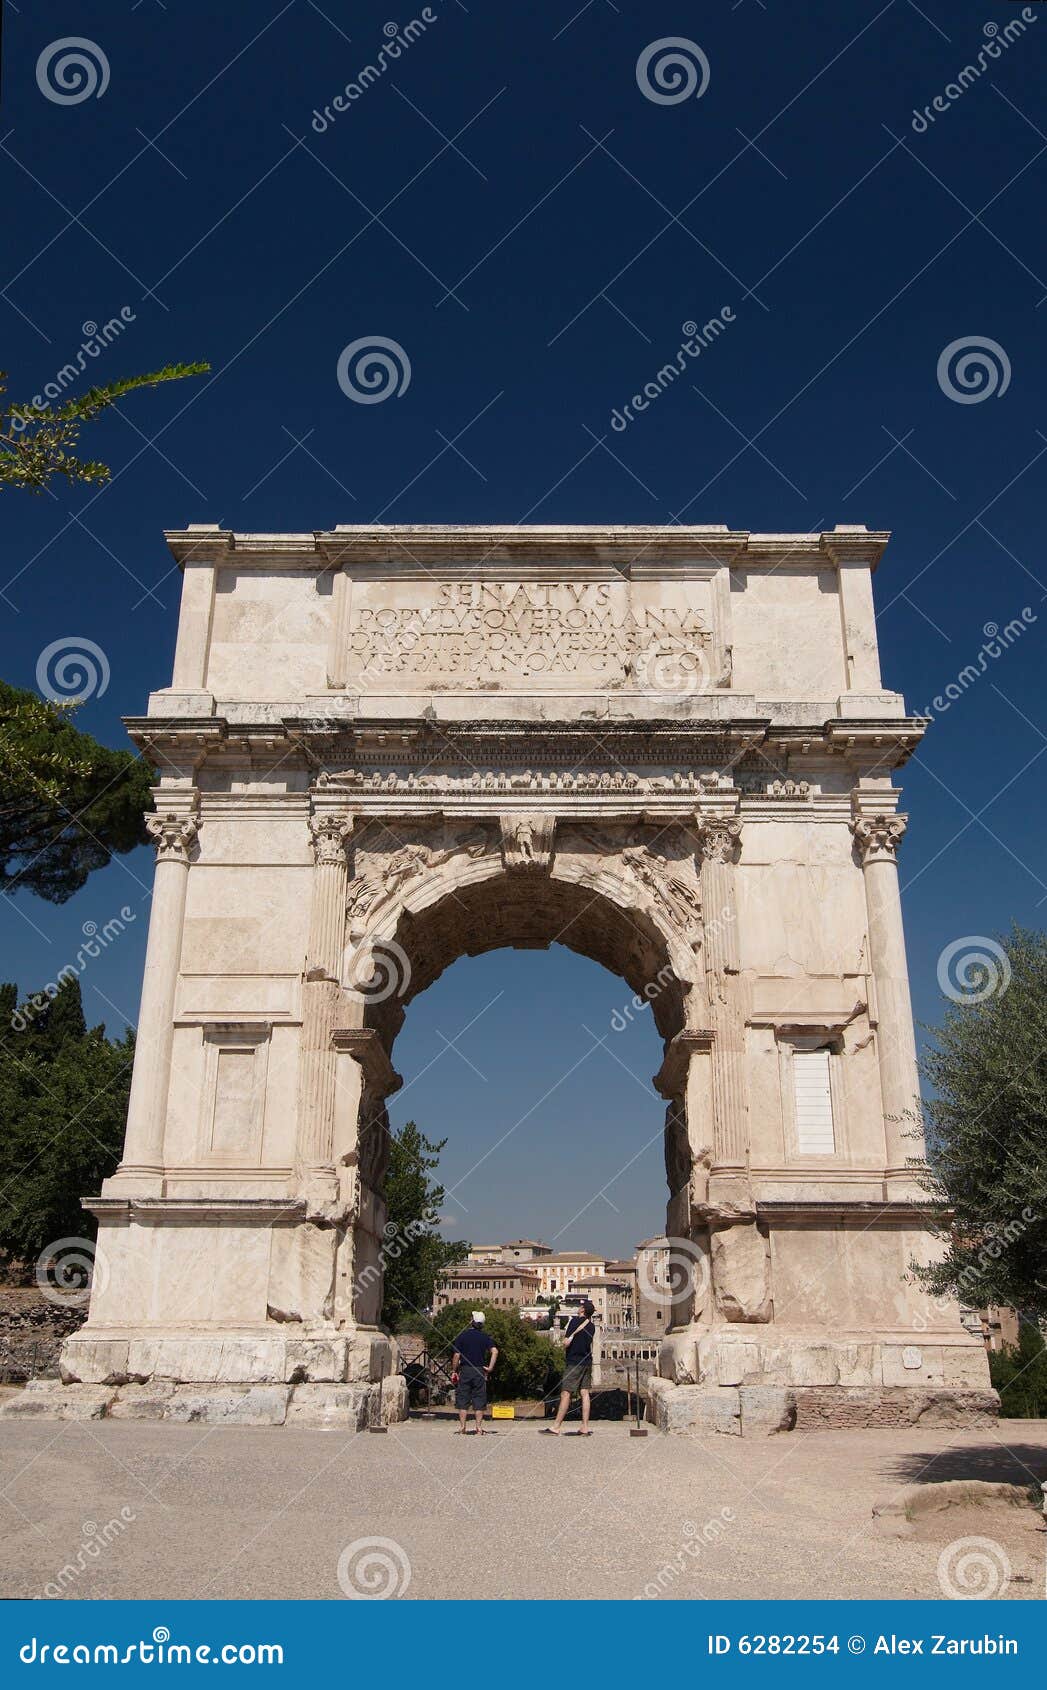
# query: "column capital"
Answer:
x=330 y=832
x=718 y=837
x=878 y=837
x=173 y=835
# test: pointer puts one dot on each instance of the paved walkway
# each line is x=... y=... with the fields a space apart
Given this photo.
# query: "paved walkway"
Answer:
x=189 y=1511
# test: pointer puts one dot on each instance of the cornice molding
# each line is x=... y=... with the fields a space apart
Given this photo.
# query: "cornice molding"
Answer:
x=638 y=549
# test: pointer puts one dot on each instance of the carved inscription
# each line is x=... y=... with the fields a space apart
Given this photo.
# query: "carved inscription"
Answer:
x=531 y=633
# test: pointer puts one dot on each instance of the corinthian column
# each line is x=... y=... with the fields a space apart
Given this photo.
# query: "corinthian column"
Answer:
x=718 y=836
x=877 y=838
x=143 y=1156
x=330 y=833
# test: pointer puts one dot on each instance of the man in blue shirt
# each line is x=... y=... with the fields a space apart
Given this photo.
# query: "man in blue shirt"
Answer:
x=475 y=1354
x=578 y=1374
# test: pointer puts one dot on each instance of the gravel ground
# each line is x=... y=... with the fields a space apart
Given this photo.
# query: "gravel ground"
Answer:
x=190 y=1511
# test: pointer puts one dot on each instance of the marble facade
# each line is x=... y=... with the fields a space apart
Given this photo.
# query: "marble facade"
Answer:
x=384 y=748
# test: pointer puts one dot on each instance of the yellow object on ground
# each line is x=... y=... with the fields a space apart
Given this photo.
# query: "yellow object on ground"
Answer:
x=503 y=1411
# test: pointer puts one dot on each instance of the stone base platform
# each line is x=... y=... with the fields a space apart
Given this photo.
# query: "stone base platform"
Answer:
x=342 y=1407
x=288 y=1355
x=762 y=1410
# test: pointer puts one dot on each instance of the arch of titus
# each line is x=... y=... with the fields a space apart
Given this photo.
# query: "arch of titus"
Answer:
x=384 y=748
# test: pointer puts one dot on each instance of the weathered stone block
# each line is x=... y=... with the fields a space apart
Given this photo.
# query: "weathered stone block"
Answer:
x=94 y=1361
x=251 y=1405
x=46 y=1399
x=966 y=1366
x=696 y=1410
x=814 y=1364
x=394 y=1404
x=142 y=1402
x=912 y=1364
x=678 y=1359
x=766 y=1409
x=342 y=1406
x=735 y=1362
x=741 y=1268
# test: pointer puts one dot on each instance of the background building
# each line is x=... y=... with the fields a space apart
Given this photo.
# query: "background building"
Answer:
x=653 y=1288
x=504 y=1286
x=557 y=1270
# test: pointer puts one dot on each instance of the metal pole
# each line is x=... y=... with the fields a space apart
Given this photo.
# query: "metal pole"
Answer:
x=638 y=1431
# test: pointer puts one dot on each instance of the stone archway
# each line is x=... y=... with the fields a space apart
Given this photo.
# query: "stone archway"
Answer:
x=425 y=896
x=382 y=748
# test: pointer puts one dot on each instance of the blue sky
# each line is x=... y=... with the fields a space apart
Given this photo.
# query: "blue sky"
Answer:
x=509 y=206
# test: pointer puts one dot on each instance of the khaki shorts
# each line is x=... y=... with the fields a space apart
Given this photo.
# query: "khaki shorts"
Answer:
x=578 y=1376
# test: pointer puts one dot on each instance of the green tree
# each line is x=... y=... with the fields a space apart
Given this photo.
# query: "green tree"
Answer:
x=37 y=442
x=530 y=1363
x=987 y=1135
x=63 y=1103
x=414 y=1251
x=67 y=803
x=1019 y=1373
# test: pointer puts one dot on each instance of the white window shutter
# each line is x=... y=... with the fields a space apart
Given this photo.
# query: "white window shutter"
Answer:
x=814 y=1110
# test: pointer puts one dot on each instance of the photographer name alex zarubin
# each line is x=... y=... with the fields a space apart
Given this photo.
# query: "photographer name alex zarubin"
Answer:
x=800 y=1643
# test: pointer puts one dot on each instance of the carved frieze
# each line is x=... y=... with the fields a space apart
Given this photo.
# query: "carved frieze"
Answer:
x=528 y=841
x=669 y=888
x=385 y=864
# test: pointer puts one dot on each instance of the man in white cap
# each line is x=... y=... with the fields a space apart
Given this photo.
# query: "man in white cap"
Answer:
x=475 y=1354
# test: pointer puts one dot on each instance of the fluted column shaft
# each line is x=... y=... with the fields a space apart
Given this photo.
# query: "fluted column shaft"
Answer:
x=330 y=836
x=719 y=842
x=877 y=838
x=150 y=1082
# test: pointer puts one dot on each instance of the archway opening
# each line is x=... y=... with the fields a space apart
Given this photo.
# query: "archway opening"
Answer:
x=557 y=1165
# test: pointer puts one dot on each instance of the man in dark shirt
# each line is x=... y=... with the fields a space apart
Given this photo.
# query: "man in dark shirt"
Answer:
x=578 y=1374
x=475 y=1354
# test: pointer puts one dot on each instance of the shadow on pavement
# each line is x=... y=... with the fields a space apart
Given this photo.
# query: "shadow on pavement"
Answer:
x=1010 y=1465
